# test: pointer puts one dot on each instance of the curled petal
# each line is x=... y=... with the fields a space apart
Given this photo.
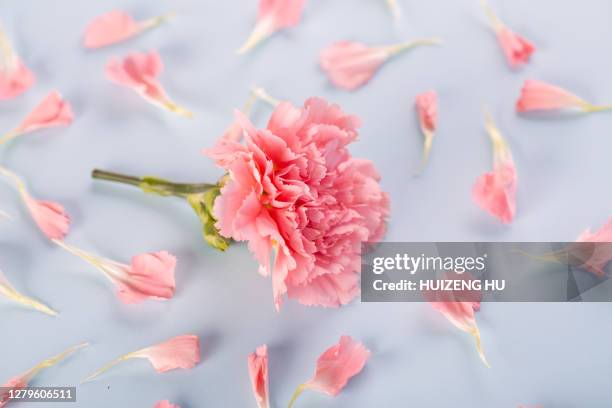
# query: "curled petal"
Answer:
x=117 y=26
x=53 y=111
x=274 y=15
x=541 y=96
x=350 y=65
x=599 y=254
x=150 y=276
x=182 y=352
x=427 y=110
x=139 y=72
x=165 y=404
x=258 y=372
x=335 y=367
x=24 y=379
x=50 y=217
x=7 y=290
x=15 y=77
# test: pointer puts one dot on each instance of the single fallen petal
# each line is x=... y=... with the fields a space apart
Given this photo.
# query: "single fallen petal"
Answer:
x=335 y=367
x=517 y=49
x=427 y=110
x=15 y=77
x=149 y=276
x=7 y=290
x=182 y=352
x=139 y=71
x=23 y=380
x=274 y=15
x=599 y=254
x=541 y=96
x=49 y=216
x=350 y=65
x=117 y=26
x=165 y=404
x=258 y=372
x=53 y=111
x=495 y=191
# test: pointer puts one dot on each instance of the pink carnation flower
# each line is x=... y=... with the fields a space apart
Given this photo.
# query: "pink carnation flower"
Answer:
x=301 y=201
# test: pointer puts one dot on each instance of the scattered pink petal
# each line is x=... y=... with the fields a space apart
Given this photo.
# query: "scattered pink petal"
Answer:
x=139 y=72
x=274 y=15
x=495 y=191
x=350 y=65
x=23 y=380
x=540 y=96
x=149 y=276
x=165 y=404
x=600 y=254
x=15 y=77
x=517 y=49
x=50 y=217
x=182 y=352
x=258 y=371
x=335 y=367
x=427 y=110
x=115 y=27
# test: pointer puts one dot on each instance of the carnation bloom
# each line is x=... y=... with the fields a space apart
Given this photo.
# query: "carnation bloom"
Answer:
x=335 y=367
x=165 y=404
x=139 y=72
x=427 y=110
x=182 y=352
x=258 y=372
x=541 y=96
x=148 y=276
x=495 y=191
x=517 y=49
x=53 y=111
x=23 y=380
x=274 y=15
x=7 y=290
x=302 y=203
x=15 y=77
x=49 y=216
x=117 y=26
x=350 y=65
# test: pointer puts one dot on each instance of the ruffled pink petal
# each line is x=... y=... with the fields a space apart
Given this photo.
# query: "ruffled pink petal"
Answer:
x=600 y=254
x=149 y=276
x=182 y=352
x=50 y=217
x=53 y=111
x=165 y=404
x=350 y=65
x=258 y=372
x=15 y=80
x=110 y=28
x=517 y=49
x=495 y=192
x=427 y=109
x=537 y=95
x=337 y=365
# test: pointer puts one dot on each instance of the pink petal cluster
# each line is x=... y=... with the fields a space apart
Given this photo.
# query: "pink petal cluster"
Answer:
x=50 y=217
x=182 y=352
x=273 y=16
x=302 y=202
x=258 y=372
x=600 y=253
x=52 y=111
x=337 y=365
x=541 y=96
x=15 y=78
x=517 y=49
x=165 y=404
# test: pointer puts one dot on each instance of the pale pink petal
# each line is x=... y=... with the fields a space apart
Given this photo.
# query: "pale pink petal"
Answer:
x=337 y=365
x=150 y=276
x=139 y=72
x=427 y=109
x=53 y=111
x=274 y=15
x=110 y=28
x=182 y=352
x=517 y=49
x=15 y=79
x=165 y=404
x=258 y=372
x=598 y=255
x=538 y=95
x=50 y=217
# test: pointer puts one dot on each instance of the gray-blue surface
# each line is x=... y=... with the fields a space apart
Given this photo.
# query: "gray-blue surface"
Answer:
x=556 y=355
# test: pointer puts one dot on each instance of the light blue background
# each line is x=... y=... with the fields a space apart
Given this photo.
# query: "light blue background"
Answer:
x=557 y=355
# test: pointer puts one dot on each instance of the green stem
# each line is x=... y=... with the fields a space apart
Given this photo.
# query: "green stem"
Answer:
x=153 y=184
x=299 y=390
